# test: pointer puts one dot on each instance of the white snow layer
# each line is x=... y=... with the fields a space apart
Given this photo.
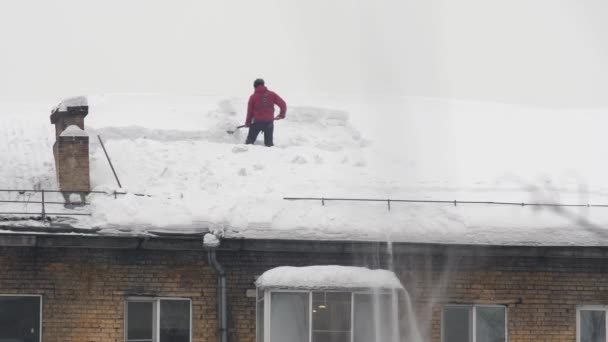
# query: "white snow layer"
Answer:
x=197 y=177
x=74 y=131
x=328 y=277
x=78 y=101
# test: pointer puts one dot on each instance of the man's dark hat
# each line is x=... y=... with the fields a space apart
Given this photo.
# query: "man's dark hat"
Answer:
x=258 y=82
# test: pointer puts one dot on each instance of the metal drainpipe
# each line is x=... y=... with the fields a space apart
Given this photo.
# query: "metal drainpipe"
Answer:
x=221 y=294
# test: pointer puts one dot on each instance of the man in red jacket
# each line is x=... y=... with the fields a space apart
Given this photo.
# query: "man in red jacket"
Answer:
x=260 y=112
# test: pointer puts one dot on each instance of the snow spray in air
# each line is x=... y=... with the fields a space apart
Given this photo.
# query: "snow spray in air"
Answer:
x=393 y=316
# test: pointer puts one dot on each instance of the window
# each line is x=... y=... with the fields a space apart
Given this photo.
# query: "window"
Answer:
x=158 y=320
x=474 y=323
x=375 y=317
x=20 y=318
x=591 y=324
x=326 y=316
x=289 y=316
x=331 y=316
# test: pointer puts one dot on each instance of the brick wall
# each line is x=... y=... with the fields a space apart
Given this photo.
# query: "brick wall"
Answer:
x=84 y=290
x=72 y=163
x=541 y=294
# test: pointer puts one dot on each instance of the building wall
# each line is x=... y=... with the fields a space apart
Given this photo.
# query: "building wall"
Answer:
x=541 y=294
x=84 y=290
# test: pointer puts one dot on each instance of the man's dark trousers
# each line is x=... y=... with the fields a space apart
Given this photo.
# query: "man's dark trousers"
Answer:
x=266 y=126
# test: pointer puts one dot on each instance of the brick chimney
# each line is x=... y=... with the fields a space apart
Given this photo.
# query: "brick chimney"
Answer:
x=71 y=148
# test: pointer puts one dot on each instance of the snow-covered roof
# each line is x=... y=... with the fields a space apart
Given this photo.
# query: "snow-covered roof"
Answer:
x=198 y=178
x=327 y=277
x=74 y=131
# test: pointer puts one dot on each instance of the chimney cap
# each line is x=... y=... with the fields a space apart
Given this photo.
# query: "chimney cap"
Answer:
x=71 y=106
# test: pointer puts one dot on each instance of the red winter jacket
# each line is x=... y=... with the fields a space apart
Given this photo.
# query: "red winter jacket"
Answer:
x=261 y=105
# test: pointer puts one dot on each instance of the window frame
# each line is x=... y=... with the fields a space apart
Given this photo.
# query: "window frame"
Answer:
x=259 y=299
x=156 y=314
x=39 y=308
x=473 y=316
x=267 y=293
x=580 y=308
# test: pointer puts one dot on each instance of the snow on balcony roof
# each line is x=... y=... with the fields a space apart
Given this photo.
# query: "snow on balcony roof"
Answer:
x=327 y=277
x=74 y=131
x=198 y=178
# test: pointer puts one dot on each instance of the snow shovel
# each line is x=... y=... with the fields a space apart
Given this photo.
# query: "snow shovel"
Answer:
x=231 y=131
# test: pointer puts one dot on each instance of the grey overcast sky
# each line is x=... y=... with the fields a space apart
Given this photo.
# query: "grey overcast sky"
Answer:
x=550 y=53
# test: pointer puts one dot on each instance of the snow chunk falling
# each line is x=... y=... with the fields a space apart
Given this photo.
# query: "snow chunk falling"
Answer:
x=74 y=131
x=328 y=277
x=211 y=241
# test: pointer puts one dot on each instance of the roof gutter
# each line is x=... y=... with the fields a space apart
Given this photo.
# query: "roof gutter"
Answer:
x=211 y=243
x=192 y=242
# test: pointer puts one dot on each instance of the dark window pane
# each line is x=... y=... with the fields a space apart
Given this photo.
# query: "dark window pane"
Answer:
x=174 y=321
x=457 y=324
x=140 y=320
x=593 y=326
x=19 y=319
x=375 y=318
x=331 y=336
x=331 y=311
x=289 y=317
x=490 y=324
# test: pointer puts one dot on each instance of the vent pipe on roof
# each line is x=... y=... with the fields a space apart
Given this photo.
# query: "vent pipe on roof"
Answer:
x=71 y=148
x=211 y=243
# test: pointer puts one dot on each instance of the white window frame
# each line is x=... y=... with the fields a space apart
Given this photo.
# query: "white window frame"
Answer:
x=40 y=308
x=155 y=312
x=267 y=307
x=259 y=299
x=473 y=314
x=580 y=308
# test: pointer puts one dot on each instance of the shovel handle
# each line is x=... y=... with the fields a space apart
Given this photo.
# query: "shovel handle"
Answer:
x=231 y=131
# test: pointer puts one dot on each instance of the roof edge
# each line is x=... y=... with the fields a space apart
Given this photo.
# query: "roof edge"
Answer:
x=194 y=242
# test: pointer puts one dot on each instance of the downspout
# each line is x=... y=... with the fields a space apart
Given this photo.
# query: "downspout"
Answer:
x=211 y=243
